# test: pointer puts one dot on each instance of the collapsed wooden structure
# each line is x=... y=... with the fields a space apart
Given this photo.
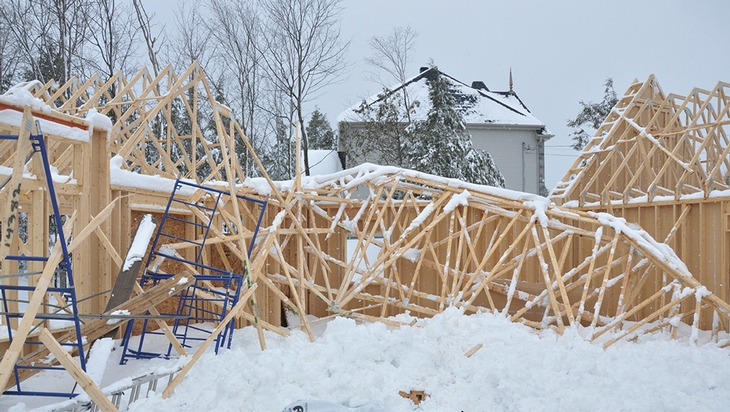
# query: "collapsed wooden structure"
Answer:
x=370 y=242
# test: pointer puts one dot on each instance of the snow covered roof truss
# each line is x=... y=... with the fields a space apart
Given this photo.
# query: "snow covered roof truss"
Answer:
x=373 y=242
x=423 y=243
x=654 y=146
x=169 y=125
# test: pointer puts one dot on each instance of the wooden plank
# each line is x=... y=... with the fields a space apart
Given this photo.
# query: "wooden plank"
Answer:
x=97 y=328
x=109 y=247
x=604 y=284
x=126 y=279
x=553 y=303
x=558 y=273
x=297 y=299
x=76 y=372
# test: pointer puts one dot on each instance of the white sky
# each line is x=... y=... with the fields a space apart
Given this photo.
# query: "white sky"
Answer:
x=560 y=52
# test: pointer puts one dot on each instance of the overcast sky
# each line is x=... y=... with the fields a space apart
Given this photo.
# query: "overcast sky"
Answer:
x=560 y=52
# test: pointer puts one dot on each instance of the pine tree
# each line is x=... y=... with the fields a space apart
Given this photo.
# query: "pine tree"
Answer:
x=442 y=145
x=592 y=115
x=385 y=132
x=319 y=132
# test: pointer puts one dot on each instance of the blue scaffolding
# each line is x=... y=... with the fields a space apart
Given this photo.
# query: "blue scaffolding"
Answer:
x=63 y=284
x=214 y=291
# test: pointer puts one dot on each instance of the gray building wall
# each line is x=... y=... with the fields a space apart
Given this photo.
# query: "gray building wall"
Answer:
x=515 y=149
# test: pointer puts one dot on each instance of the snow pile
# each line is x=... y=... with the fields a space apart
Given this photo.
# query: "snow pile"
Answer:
x=462 y=199
x=259 y=185
x=516 y=369
x=14 y=117
x=21 y=96
x=642 y=238
x=98 y=120
x=323 y=406
x=127 y=178
x=121 y=312
x=98 y=358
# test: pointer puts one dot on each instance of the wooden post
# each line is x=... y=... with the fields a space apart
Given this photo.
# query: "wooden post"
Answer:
x=99 y=198
x=9 y=212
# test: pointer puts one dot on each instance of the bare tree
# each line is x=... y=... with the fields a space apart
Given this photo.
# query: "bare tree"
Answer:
x=392 y=54
x=190 y=41
x=279 y=153
x=112 y=36
x=51 y=35
x=304 y=52
x=153 y=42
x=237 y=32
x=71 y=33
x=9 y=55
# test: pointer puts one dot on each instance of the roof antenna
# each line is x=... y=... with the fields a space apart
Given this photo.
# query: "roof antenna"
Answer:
x=510 y=81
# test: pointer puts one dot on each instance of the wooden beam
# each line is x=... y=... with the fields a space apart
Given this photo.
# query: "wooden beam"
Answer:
x=76 y=372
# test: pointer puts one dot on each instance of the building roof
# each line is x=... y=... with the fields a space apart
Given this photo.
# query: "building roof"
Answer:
x=477 y=103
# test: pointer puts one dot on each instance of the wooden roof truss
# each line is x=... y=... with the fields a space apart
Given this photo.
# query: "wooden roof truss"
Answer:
x=652 y=146
x=373 y=242
x=169 y=125
x=412 y=249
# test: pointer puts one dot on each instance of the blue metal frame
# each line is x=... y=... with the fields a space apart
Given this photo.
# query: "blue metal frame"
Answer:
x=189 y=312
x=69 y=292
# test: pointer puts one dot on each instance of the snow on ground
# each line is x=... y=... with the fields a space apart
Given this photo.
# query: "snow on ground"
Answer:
x=517 y=369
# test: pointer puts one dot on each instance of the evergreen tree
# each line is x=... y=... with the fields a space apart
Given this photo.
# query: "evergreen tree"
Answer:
x=592 y=115
x=441 y=145
x=385 y=133
x=319 y=132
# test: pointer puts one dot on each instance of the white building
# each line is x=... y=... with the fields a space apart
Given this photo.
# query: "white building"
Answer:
x=498 y=122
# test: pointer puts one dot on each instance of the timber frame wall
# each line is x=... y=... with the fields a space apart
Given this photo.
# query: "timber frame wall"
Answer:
x=415 y=242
